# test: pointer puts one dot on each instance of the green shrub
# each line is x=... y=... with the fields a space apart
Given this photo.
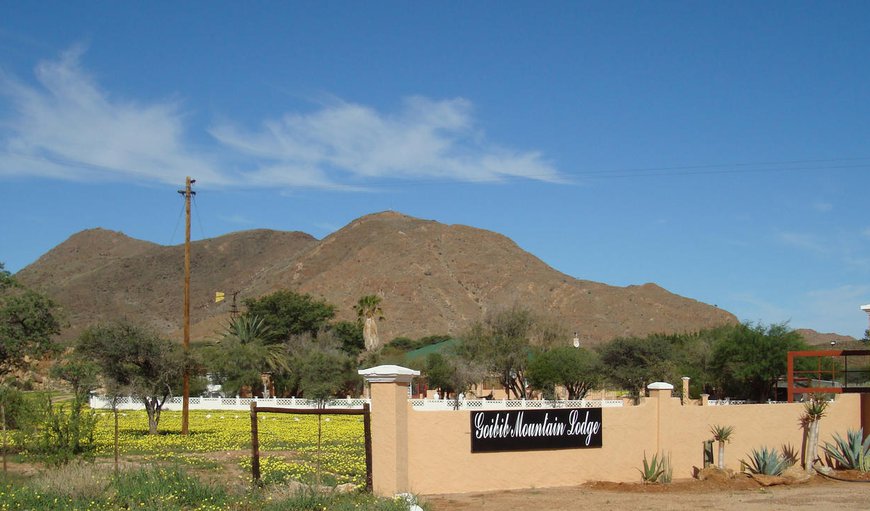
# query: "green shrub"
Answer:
x=851 y=453
x=56 y=435
x=15 y=403
x=766 y=461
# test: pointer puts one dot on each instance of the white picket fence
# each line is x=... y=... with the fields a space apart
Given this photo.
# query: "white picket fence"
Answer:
x=428 y=405
x=244 y=403
x=225 y=403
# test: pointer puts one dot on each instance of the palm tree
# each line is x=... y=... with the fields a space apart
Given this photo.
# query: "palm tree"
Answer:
x=721 y=434
x=368 y=311
x=814 y=410
x=243 y=354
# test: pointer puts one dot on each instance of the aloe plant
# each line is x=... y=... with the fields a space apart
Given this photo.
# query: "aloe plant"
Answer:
x=657 y=470
x=853 y=452
x=721 y=434
x=814 y=410
x=766 y=461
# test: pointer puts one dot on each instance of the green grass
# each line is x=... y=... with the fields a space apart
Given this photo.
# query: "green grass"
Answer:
x=168 y=489
x=183 y=475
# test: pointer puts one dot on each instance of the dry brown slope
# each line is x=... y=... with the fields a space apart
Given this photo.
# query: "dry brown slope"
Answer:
x=433 y=278
x=437 y=278
x=144 y=281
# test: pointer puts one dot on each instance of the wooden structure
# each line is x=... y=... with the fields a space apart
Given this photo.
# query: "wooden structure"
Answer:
x=255 y=440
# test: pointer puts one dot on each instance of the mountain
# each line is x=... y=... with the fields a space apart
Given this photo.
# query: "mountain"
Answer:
x=824 y=340
x=433 y=279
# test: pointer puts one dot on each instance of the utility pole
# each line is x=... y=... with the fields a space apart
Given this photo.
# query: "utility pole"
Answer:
x=185 y=399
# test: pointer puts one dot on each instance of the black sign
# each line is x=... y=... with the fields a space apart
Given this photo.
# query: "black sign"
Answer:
x=529 y=430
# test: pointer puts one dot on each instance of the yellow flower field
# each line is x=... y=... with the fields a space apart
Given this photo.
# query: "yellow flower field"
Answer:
x=342 y=444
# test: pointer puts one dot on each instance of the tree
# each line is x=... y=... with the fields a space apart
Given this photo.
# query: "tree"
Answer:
x=814 y=411
x=136 y=359
x=80 y=373
x=502 y=343
x=452 y=374
x=721 y=434
x=576 y=369
x=241 y=355
x=351 y=336
x=368 y=311
x=750 y=359
x=632 y=362
x=288 y=313
x=6 y=280
x=321 y=368
x=28 y=323
x=323 y=373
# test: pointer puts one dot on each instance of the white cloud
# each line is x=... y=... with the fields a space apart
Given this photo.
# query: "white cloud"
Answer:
x=426 y=139
x=836 y=309
x=749 y=307
x=67 y=128
x=236 y=219
x=866 y=232
x=823 y=207
x=804 y=241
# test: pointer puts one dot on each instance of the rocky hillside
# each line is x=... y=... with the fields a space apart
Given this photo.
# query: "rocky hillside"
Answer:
x=433 y=279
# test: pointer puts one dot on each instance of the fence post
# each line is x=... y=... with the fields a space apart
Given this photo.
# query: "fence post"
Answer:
x=255 y=446
x=389 y=427
x=367 y=432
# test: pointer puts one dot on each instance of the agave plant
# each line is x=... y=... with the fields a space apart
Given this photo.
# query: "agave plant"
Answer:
x=851 y=453
x=657 y=470
x=766 y=461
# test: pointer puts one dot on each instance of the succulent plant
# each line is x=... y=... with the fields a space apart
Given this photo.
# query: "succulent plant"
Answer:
x=853 y=452
x=766 y=461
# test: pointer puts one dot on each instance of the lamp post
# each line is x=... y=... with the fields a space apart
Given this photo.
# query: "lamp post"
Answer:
x=576 y=340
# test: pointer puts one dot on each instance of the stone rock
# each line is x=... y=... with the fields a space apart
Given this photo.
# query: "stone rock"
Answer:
x=765 y=480
x=795 y=475
x=345 y=488
x=715 y=474
x=822 y=469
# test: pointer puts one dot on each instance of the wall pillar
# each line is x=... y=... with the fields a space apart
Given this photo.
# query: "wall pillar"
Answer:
x=684 y=399
x=660 y=392
x=388 y=387
x=865 y=413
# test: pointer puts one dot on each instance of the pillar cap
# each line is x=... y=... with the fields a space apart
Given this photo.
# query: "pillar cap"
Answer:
x=388 y=374
x=660 y=385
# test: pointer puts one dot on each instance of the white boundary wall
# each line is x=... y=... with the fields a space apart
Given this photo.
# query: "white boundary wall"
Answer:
x=225 y=403
x=440 y=405
x=243 y=403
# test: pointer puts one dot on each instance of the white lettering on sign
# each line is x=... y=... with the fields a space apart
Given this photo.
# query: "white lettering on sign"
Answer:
x=587 y=427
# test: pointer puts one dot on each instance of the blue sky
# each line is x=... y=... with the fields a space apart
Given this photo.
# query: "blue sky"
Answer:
x=718 y=149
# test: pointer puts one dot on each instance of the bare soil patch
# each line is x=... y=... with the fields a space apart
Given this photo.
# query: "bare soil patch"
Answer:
x=738 y=494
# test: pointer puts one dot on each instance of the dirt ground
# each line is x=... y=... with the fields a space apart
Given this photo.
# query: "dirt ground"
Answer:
x=740 y=494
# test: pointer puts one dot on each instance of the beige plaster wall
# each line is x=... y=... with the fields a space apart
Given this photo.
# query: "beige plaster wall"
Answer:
x=389 y=420
x=439 y=458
